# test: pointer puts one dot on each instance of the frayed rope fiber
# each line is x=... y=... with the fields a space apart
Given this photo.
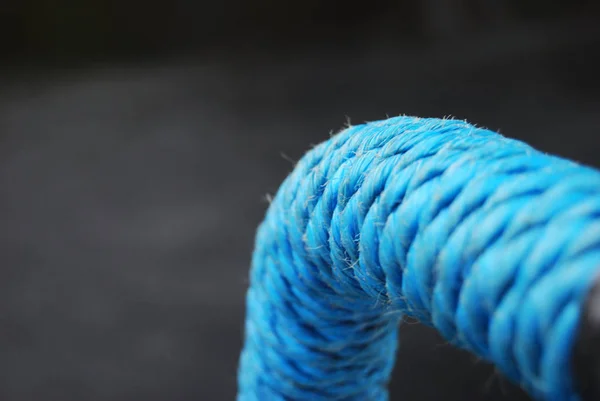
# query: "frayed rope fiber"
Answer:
x=482 y=237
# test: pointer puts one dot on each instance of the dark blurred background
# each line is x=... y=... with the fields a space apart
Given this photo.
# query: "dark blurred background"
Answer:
x=139 y=139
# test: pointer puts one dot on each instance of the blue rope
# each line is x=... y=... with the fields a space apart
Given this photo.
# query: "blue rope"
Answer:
x=482 y=237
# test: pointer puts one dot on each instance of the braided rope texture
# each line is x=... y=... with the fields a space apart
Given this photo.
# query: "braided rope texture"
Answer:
x=484 y=238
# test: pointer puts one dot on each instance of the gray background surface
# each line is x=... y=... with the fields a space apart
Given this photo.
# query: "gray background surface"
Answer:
x=130 y=192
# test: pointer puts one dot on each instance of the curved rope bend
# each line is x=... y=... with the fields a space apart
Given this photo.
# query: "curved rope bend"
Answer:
x=482 y=237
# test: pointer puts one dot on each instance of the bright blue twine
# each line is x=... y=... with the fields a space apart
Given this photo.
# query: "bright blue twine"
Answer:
x=482 y=237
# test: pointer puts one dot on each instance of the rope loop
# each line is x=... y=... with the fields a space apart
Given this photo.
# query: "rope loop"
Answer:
x=484 y=238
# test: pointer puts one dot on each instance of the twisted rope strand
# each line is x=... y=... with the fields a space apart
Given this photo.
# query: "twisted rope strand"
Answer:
x=488 y=240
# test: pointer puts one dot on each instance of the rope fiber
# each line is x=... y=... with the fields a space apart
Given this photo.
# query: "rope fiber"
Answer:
x=484 y=238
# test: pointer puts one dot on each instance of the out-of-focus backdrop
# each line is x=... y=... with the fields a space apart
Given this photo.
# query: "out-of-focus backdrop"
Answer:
x=139 y=140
